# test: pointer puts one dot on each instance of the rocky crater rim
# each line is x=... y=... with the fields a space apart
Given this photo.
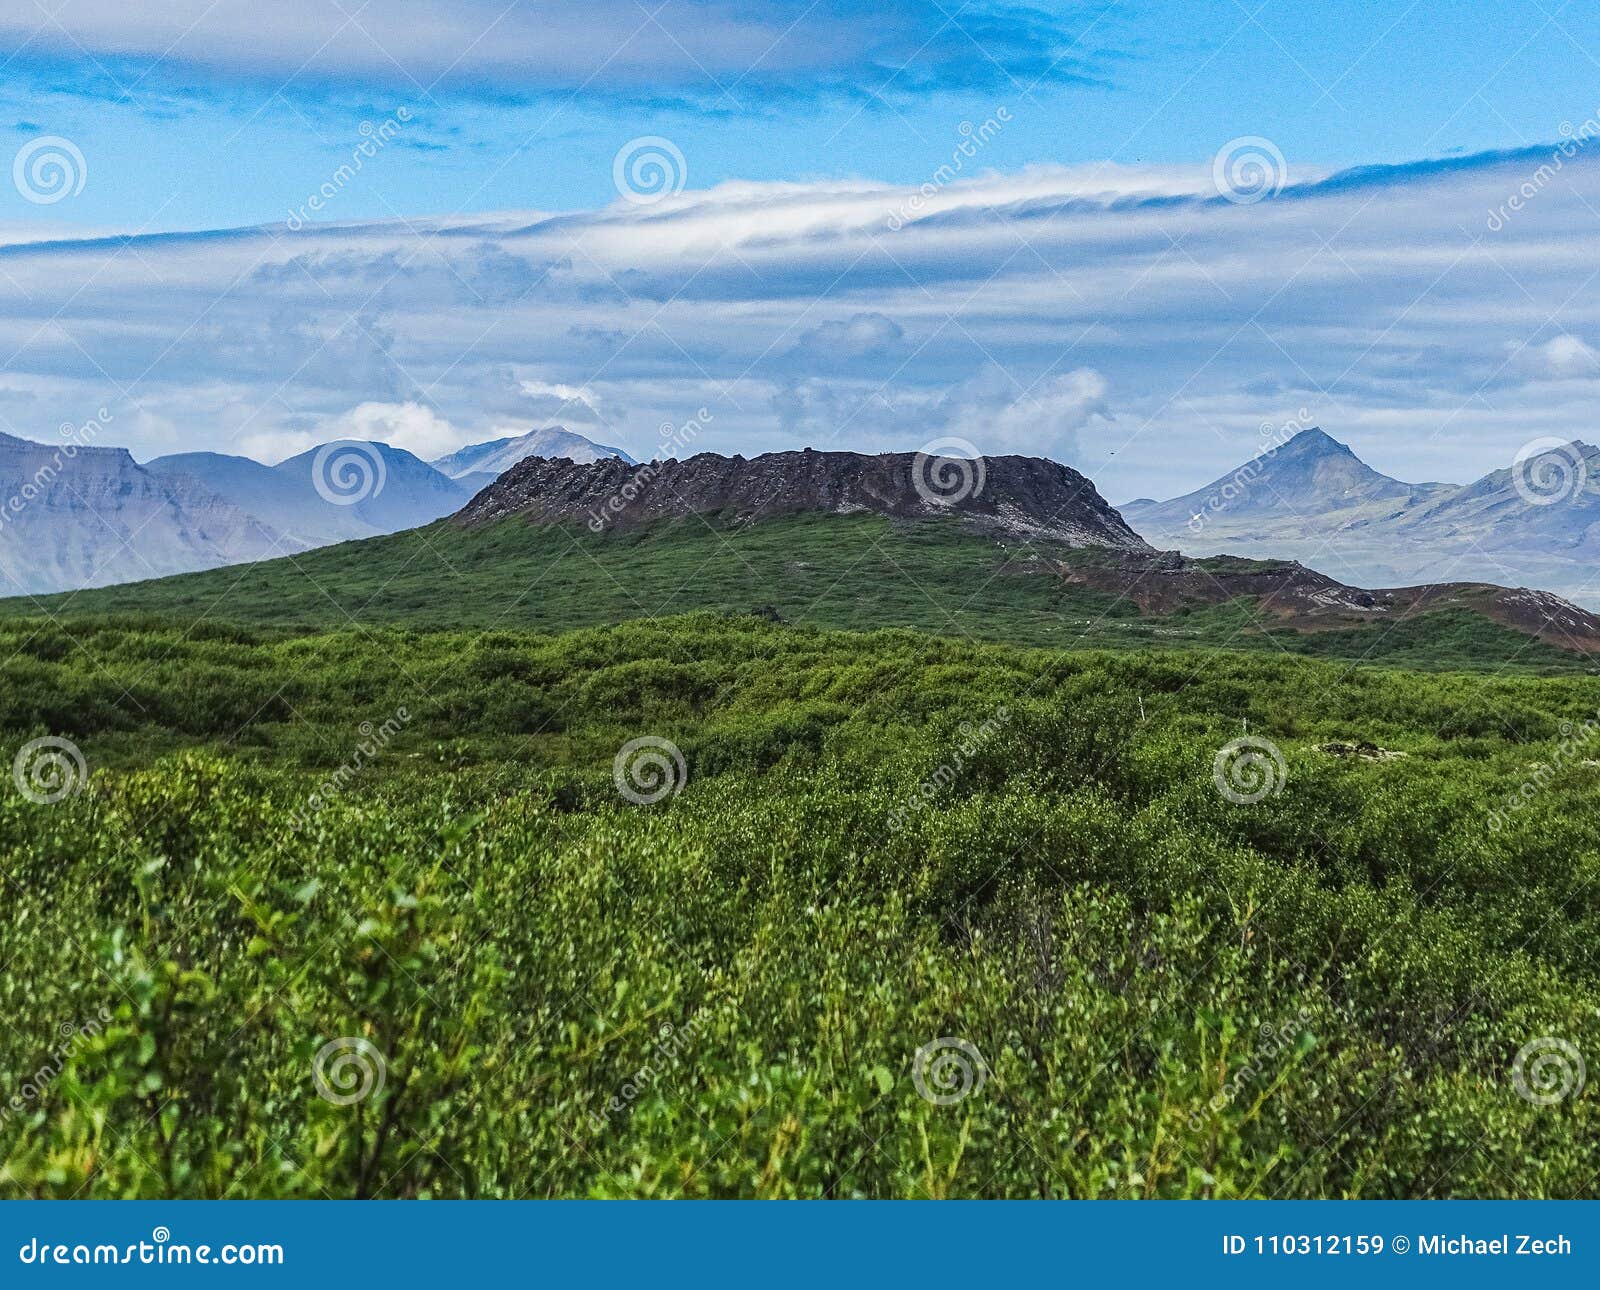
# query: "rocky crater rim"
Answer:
x=1025 y=497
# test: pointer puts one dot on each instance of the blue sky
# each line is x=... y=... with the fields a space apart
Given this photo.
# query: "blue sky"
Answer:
x=201 y=120
x=808 y=152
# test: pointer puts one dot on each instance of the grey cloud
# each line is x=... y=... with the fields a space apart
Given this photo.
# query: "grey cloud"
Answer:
x=721 y=55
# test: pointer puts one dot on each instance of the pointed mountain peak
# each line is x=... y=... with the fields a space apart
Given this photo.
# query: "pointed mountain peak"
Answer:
x=499 y=455
x=1292 y=482
x=1317 y=442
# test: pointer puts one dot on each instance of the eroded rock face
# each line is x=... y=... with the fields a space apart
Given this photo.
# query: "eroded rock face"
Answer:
x=1024 y=496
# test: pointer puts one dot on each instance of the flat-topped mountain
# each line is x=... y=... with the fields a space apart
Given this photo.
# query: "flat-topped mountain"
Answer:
x=1027 y=497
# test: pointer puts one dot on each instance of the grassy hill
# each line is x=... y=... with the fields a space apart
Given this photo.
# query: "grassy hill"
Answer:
x=858 y=572
x=367 y=912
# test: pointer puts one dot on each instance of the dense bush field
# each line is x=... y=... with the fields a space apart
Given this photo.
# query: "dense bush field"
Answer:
x=262 y=952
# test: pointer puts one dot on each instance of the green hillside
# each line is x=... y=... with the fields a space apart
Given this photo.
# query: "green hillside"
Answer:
x=368 y=913
x=857 y=572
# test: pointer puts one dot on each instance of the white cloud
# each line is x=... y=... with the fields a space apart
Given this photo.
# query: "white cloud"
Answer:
x=554 y=401
x=996 y=413
x=411 y=426
x=273 y=446
x=862 y=335
x=991 y=409
x=1563 y=356
x=1024 y=309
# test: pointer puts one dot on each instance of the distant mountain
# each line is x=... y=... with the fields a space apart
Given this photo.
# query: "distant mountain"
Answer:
x=366 y=489
x=477 y=481
x=88 y=517
x=500 y=455
x=387 y=488
x=73 y=516
x=1313 y=475
x=1556 y=508
x=1315 y=501
x=1537 y=523
x=275 y=497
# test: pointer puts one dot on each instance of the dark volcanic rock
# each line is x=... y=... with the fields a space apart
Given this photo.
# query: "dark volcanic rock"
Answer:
x=1027 y=497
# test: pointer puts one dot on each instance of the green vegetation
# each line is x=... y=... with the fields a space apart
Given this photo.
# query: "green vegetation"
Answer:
x=859 y=572
x=885 y=839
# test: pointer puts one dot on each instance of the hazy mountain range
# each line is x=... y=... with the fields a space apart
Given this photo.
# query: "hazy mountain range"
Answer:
x=74 y=516
x=1535 y=524
x=82 y=516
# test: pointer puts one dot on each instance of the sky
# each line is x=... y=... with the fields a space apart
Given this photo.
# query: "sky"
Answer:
x=1136 y=237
